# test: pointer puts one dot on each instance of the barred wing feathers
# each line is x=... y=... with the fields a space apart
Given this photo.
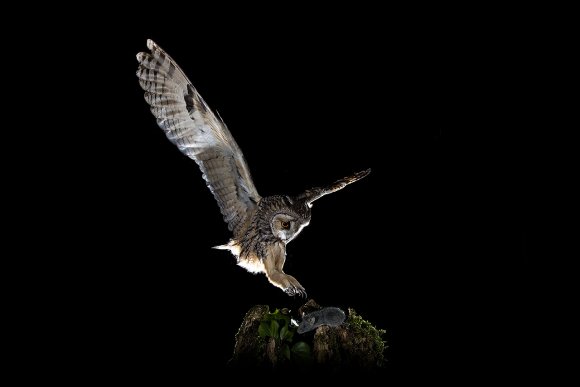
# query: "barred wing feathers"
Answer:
x=189 y=124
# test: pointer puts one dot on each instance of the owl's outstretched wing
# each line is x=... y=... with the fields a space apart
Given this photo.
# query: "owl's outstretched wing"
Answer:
x=189 y=124
x=316 y=193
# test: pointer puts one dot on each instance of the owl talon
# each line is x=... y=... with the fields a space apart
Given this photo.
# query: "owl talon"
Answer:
x=296 y=291
x=300 y=291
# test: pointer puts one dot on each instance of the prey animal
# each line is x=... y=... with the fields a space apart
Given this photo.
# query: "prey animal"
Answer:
x=261 y=226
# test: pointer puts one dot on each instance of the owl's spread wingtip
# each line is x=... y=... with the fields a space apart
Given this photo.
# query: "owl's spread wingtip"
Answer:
x=364 y=173
x=151 y=44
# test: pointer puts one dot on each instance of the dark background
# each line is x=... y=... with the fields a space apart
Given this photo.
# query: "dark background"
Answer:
x=431 y=246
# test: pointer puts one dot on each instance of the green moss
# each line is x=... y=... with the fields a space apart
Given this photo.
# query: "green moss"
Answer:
x=363 y=328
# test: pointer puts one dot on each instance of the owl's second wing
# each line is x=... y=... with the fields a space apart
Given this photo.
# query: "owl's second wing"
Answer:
x=316 y=193
x=189 y=124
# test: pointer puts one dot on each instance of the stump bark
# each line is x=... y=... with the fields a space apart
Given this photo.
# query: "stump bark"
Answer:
x=356 y=344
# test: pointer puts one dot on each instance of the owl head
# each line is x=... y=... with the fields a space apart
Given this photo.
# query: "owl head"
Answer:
x=287 y=224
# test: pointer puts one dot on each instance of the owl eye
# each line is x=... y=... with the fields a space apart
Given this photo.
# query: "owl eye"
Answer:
x=285 y=225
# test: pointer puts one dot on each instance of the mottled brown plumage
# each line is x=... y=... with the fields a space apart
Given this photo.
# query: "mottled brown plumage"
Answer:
x=261 y=227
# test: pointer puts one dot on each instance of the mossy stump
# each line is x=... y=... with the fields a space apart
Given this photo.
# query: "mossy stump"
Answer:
x=250 y=348
x=356 y=344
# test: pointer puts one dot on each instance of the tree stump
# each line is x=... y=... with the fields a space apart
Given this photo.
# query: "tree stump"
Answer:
x=356 y=344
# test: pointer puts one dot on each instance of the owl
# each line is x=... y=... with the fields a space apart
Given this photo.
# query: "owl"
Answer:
x=261 y=226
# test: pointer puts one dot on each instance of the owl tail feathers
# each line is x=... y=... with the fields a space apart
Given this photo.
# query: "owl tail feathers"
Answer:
x=232 y=246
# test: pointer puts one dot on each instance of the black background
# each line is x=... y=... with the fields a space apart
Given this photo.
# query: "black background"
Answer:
x=431 y=246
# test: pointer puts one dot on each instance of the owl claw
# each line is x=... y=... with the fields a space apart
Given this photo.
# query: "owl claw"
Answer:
x=296 y=291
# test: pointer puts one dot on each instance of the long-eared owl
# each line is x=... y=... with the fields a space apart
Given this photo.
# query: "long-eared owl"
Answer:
x=261 y=226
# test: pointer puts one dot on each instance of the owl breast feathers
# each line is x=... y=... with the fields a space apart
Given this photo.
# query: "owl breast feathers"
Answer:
x=261 y=227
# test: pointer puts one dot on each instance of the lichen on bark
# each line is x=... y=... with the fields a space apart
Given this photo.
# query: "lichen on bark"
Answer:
x=355 y=344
